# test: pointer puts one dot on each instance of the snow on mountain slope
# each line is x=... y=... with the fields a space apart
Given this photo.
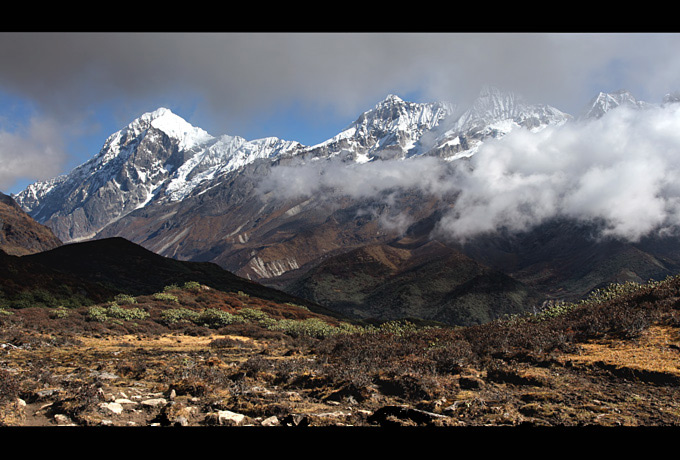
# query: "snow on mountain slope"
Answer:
x=160 y=158
x=222 y=155
x=392 y=129
x=493 y=115
x=604 y=102
x=157 y=156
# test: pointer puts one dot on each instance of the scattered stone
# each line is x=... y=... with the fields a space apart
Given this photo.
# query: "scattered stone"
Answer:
x=104 y=375
x=399 y=415
x=181 y=421
x=225 y=417
x=63 y=420
x=47 y=392
x=295 y=420
x=333 y=414
x=114 y=407
x=176 y=414
x=271 y=421
x=154 y=402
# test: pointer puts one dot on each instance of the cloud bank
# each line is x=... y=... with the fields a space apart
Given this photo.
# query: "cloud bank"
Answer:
x=621 y=171
x=36 y=151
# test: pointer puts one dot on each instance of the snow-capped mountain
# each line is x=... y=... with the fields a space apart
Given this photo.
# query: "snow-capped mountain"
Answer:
x=493 y=115
x=183 y=193
x=604 y=102
x=159 y=161
x=394 y=128
x=159 y=157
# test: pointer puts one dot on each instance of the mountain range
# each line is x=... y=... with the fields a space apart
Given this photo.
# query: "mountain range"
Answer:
x=350 y=223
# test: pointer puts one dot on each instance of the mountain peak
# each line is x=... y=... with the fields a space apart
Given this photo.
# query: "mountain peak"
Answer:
x=391 y=99
x=159 y=112
x=174 y=126
x=604 y=102
x=671 y=98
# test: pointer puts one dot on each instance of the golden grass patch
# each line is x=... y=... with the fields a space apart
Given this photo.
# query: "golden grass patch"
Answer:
x=163 y=342
x=655 y=350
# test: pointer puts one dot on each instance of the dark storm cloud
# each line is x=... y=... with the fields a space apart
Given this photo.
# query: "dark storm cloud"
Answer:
x=239 y=73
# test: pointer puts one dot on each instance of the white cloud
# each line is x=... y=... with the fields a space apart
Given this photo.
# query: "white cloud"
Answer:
x=622 y=170
x=34 y=152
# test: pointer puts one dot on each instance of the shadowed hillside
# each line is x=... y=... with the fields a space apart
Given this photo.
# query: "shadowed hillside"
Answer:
x=423 y=280
x=100 y=269
x=19 y=233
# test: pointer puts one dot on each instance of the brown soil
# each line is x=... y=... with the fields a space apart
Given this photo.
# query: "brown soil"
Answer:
x=66 y=370
x=134 y=380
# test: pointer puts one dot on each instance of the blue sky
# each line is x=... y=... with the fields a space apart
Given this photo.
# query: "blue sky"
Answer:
x=62 y=94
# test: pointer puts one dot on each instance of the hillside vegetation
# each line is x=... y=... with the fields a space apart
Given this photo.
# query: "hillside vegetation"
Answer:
x=190 y=355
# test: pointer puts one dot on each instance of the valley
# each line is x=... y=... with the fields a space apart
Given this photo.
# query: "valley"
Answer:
x=400 y=273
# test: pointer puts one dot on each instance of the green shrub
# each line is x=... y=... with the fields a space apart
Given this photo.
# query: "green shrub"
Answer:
x=291 y=304
x=60 y=312
x=125 y=299
x=397 y=327
x=126 y=314
x=312 y=327
x=256 y=316
x=192 y=286
x=97 y=313
x=215 y=318
x=175 y=315
x=347 y=328
x=35 y=298
x=115 y=312
x=165 y=297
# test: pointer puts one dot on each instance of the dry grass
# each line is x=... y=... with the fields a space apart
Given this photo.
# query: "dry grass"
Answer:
x=547 y=371
x=655 y=350
x=176 y=343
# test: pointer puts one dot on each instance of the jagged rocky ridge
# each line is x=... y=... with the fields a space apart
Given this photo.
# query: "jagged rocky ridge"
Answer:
x=183 y=193
x=159 y=157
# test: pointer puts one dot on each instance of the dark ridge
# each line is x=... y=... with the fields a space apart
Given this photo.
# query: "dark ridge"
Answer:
x=119 y=265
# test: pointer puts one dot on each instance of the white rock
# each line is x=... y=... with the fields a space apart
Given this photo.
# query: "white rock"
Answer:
x=154 y=402
x=63 y=420
x=114 y=407
x=271 y=421
x=225 y=417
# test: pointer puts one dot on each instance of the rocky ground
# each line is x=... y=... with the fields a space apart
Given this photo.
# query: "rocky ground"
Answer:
x=62 y=368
